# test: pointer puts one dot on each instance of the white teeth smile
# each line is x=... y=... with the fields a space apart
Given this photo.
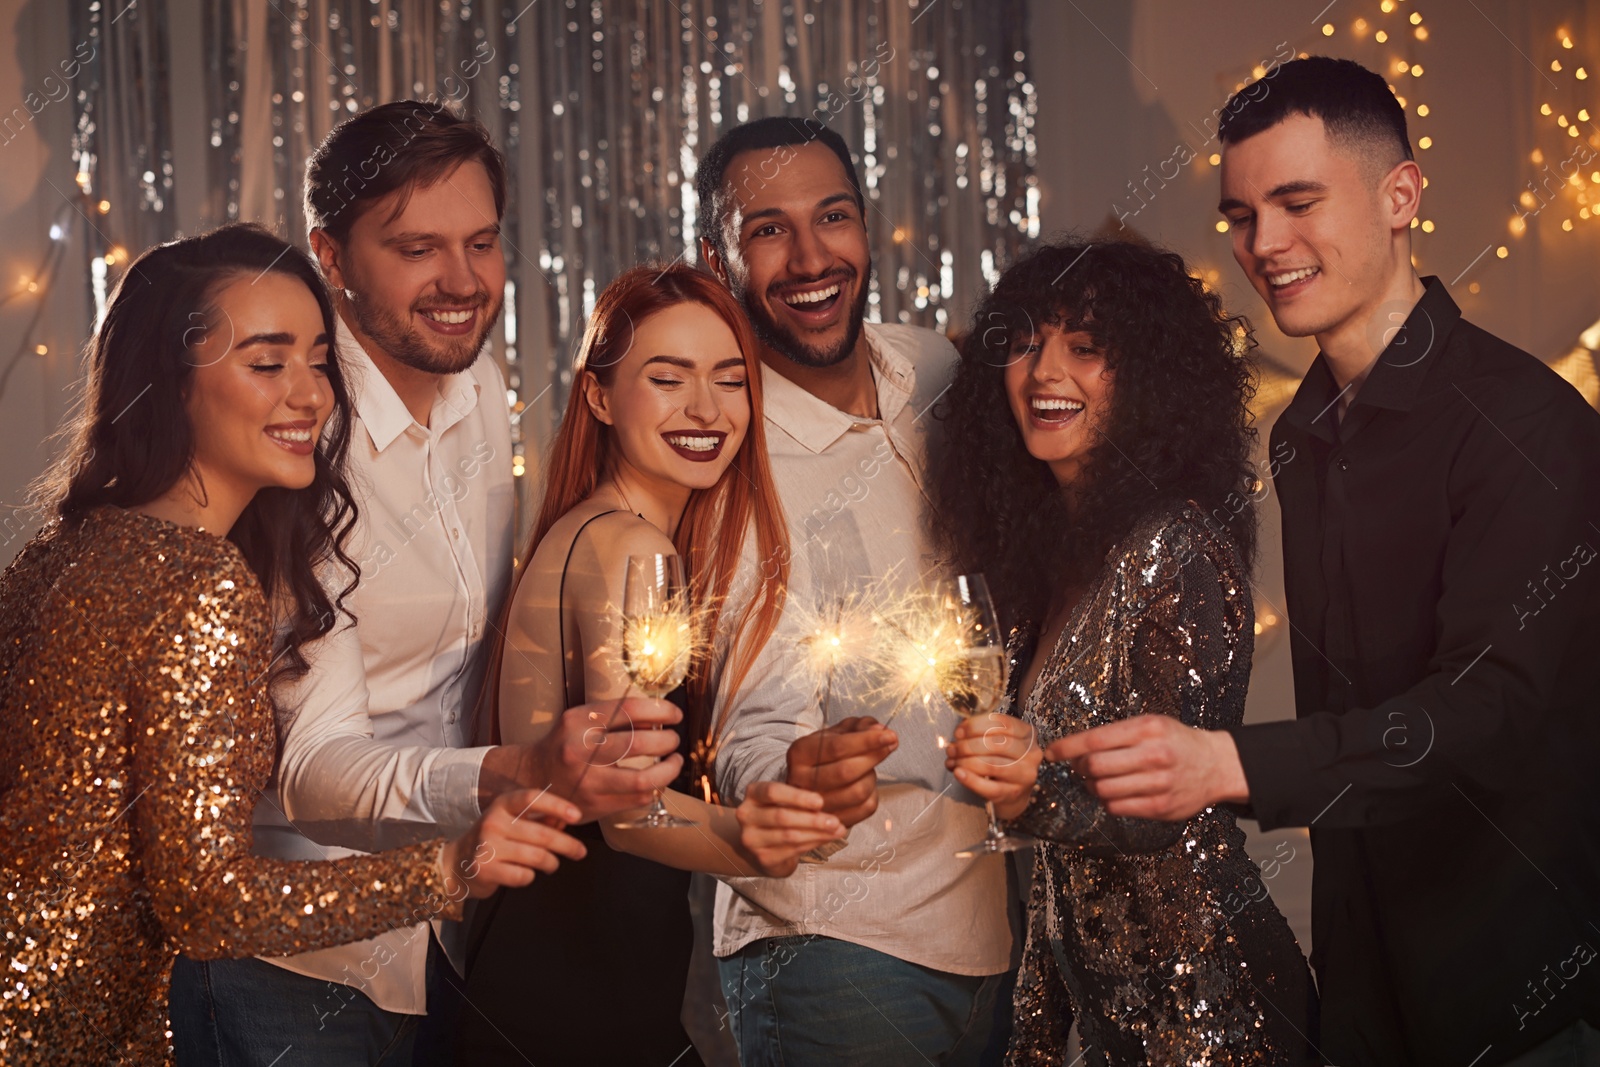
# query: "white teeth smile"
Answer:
x=693 y=444
x=296 y=437
x=813 y=298
x=452 y=318
x=1041 y=403
x=1291 y=276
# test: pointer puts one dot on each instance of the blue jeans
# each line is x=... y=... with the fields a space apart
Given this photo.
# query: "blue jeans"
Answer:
x=797 y=1001
x=247 y=1013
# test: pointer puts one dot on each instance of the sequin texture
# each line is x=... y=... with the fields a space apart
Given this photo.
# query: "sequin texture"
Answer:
x=137 y=742
x=1159 y=937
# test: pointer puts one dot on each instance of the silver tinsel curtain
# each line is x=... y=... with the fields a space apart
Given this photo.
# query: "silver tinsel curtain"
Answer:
x=601 y=107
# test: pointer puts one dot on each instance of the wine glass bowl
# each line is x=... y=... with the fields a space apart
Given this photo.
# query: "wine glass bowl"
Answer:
x=973 y=677
x=657 y=648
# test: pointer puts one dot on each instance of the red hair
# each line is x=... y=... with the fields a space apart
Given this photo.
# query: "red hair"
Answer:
x=712 y=532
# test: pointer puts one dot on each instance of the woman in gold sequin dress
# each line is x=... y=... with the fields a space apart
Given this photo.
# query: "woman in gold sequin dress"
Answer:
x=138 y=647
x=1098 y=470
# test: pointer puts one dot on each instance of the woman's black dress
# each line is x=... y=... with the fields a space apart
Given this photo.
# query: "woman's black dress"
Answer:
x=585 y=966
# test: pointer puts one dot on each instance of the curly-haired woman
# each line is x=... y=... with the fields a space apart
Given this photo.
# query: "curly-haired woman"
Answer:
x=1098 y=470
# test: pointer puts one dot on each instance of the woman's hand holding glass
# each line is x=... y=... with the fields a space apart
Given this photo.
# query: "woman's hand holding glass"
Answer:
x=997 y=757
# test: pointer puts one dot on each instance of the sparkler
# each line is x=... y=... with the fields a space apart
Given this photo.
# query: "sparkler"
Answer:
x=922 y=644
x=904 y=643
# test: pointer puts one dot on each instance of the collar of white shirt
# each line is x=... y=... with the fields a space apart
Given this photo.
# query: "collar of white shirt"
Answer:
x=380 y=408
x=817 y=424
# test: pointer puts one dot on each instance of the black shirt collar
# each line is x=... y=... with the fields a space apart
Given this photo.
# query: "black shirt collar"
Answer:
x=1395 y=379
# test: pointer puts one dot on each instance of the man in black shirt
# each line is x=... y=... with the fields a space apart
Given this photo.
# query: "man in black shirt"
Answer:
x=1441 y=520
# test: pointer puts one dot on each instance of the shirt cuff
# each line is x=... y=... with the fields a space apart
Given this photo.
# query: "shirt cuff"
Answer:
x=1276 y=769
x=451 y=788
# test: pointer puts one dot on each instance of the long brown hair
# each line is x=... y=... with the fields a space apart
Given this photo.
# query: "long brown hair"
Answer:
x=131 y=440
x=711 y=535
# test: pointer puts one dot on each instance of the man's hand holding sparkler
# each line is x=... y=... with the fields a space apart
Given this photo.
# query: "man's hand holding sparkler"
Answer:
x=997 y=758
x=840 y=762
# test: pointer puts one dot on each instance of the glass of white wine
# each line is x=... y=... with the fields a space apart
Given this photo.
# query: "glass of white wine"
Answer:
x=973 y=677
x=657 y=647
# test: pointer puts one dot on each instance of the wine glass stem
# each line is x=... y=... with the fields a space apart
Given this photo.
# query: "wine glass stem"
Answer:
x=994 y=823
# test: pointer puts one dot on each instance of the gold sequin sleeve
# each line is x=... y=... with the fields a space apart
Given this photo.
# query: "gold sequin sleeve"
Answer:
x=137 y=740
x=1181 y=651
x=202 y=749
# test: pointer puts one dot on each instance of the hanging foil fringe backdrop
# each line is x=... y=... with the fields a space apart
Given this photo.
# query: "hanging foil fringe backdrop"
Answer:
x=601 y=108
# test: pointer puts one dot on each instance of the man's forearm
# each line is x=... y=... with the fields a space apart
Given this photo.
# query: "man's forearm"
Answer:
x=1230 y=784
x=507 y=767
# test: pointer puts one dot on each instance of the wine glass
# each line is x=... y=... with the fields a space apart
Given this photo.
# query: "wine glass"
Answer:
x=972 y=677
x=657 y=645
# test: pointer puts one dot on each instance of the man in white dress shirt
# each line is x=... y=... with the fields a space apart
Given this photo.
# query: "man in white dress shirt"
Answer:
x=404 y=203
x=890 y=950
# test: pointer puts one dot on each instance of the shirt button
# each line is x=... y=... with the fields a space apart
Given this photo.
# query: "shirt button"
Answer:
x=456 y=534
x=1344 y=464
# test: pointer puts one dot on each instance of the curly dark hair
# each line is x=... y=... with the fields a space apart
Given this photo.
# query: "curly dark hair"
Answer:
x=1177 y=426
